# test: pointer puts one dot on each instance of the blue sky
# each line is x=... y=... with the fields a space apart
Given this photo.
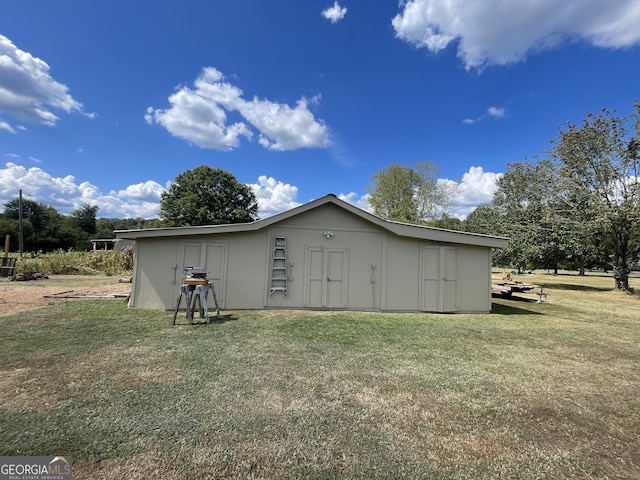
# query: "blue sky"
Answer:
x=106 y=102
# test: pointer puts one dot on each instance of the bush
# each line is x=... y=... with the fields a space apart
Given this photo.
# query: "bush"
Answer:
x=108 y=262
x=60 y=262
x=127 y=258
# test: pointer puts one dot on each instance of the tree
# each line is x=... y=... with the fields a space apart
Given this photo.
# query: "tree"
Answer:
x=602 y=165
x=412 y=195
x=85 y=217
x=434 y=198
x=9 y=226
x=207 y=196
x=582 y=241
x=485 y=219
x=392 y=194
x=488 y=220
x=447 y=222
x=105 y=227
x=525 y=201
x=36 y=218
x=44 y=228
x=34 y=212
x=530 y=203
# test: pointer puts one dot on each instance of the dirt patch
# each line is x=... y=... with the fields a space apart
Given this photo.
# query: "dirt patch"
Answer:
x=16 y=297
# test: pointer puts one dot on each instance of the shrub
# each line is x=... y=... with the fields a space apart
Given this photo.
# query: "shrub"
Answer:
x=108 y=262
x=60 y=262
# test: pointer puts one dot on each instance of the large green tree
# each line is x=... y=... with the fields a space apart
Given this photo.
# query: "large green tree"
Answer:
x=600 y=160
x=485 y=219
x=85 y=217
x=525 y=201
x=411 y=195
x=488 y=220
x=207 y=196
x=531 y=201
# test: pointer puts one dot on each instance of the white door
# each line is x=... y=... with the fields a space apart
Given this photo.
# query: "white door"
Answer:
x=316 y=284
x=439 y=279
x=430 y=279
x=326 y=277
x=449 y=257
x=212 y=256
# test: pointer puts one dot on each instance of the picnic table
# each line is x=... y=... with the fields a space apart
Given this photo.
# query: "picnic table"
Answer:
x=507 y=288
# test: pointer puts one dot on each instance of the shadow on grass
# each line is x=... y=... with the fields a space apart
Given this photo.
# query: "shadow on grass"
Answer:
x=223 y=318
x=514 y=306
x=579 y=288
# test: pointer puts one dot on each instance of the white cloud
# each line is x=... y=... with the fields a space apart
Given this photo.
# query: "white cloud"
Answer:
x=143 y=199
x=335 y=13
x=148 y=191
x=5 y=126
x=496 y=112
x=360 y=201
x=137 y=200
x=282 y=127
x=499 y=32
x=63 y=194
x=493 y=112
x=27 y=90
x=200 y=116
x=475 y=188
x=274 y=196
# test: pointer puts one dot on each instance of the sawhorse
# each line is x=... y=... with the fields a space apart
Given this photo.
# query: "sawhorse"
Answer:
x=193 y=294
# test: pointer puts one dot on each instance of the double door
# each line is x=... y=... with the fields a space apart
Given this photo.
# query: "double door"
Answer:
x=439 y=289
x=326 y=275
x=212 y=256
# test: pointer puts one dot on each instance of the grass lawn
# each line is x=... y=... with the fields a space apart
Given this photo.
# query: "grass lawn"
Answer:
x=533 y=390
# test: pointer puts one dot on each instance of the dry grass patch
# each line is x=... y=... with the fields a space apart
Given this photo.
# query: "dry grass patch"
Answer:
x=17 y=297
x=41 y=385
x=531 y=391
x=142 y=466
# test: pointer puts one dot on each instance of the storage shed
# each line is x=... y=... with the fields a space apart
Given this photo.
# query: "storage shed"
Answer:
x=326 y=254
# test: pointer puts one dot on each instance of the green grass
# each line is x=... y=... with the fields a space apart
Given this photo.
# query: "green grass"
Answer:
x=532 y=390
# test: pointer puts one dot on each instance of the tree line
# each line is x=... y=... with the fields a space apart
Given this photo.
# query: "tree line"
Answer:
x=44 y=229
x=577 y=207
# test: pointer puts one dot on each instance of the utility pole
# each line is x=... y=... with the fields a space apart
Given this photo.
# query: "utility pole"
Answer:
x=20 y=232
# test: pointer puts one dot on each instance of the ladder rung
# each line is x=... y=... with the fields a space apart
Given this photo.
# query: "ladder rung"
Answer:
x=279 y=266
